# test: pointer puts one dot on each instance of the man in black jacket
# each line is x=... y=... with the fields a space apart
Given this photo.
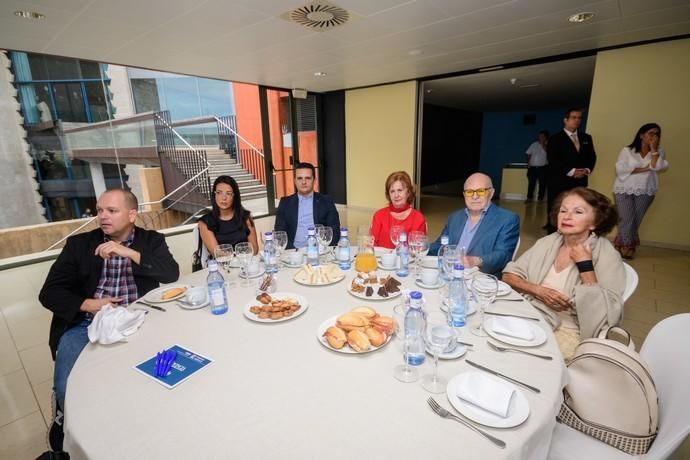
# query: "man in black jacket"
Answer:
x=571 y=159
x=306 y=208
x=116 y=264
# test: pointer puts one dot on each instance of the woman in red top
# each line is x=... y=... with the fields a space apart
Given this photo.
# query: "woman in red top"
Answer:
x=400 y=194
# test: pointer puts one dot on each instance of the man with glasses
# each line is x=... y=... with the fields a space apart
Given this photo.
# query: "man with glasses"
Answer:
x=115 y=264
x=488 y=233
x=306 y=208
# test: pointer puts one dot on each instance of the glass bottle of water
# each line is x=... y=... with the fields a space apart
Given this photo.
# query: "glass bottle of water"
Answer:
x=216 y=289
x=457 y=297
x=344 y=250
x=403 y=251
x=312 y=248
x=415 y=328
x=270 y=253
x=439 y=256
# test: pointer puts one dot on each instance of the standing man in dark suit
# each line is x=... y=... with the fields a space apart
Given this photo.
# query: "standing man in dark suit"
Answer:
x=306 y=208
x=571 y=158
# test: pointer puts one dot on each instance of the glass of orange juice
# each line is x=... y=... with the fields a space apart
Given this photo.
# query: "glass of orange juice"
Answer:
x=366 y=259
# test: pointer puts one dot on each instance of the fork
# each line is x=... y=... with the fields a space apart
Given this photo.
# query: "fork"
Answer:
x=436 y=407
x=499 y=348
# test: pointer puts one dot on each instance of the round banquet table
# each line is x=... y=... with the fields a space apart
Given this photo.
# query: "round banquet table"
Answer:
x=273 y=391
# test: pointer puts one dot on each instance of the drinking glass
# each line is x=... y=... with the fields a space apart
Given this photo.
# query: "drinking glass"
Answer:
x=484 y=288
x=419 y=246
x=403 y=372
x=280 y=239
x=224 y=255
x=325 y=236
x=395 y=232
x=244 y=252
x=438 y=335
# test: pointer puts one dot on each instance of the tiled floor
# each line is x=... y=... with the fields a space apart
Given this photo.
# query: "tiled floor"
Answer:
x=26 y=366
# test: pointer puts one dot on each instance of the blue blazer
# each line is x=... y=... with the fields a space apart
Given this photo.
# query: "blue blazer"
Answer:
x=494 y=241
x=324 y=214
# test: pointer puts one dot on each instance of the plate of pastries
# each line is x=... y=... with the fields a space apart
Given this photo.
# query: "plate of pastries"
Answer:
x=361 y=330
x=371 y=286
x=276 y=307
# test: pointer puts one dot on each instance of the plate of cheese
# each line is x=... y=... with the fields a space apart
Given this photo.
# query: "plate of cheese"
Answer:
x=321 y=275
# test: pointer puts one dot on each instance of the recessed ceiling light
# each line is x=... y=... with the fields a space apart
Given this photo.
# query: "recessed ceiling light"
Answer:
x=320 y=74
x=415 y=52
x=29 y=14
x=581 y=17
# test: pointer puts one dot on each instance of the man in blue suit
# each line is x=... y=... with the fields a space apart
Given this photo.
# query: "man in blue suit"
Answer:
x=488 y=233
x=306 y=208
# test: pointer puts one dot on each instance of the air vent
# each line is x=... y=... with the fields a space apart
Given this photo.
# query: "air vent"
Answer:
x=318 y=16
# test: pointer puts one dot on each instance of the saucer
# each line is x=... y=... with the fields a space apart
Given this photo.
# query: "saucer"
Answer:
x=420 y=283
x=193 y=307
x=254 y=275
x=457 y=352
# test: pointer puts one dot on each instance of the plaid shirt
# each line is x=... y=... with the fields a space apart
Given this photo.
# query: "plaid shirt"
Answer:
x=116 y=278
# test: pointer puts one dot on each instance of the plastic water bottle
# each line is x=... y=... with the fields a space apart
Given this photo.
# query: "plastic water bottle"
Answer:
x=457 y=297
x=216 y=289
x=270 y=253
x=439 y=254
x=312 y=248
x=415 y=327
x=344 y=250
x=403 y=251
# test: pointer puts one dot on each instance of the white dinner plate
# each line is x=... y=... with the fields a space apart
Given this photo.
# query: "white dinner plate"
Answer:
x=503 y=289
x=192 y=307
x=539 y=333
x=375 y=295
x=471 y=309
x=276 y=296
x=517 y=412
x=457 y=352
x=420 y=283
x=346 y=349
x=301 y=277
x=155 y=295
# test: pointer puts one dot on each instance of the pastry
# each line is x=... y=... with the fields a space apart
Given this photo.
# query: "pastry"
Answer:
x=264 y=298
x=367 y=312
x=369 y=292
x=385 y=324
x=351 y=321
x=376 y=337
x=382 y=292
x=335 y=337
x=358 y=340
x=172 y=292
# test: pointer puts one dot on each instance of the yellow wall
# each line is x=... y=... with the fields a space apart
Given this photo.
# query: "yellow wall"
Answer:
x=637 y=85
x=380 y=138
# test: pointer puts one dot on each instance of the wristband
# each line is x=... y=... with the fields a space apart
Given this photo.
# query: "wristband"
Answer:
x=585 y=266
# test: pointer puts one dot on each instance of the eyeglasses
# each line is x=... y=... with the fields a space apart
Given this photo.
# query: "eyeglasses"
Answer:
x=480 y=191
x=222 y=193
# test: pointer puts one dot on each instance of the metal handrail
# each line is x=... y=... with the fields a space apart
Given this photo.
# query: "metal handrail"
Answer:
x=218 y=120
x=208 y=165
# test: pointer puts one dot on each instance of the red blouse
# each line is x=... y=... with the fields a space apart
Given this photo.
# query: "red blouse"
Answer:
x=383 y=221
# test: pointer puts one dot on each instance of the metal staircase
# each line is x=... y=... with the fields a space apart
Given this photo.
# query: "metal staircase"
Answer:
x=221 y=164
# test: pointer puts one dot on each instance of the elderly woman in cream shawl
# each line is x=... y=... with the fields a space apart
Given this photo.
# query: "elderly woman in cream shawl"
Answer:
x=574 y=276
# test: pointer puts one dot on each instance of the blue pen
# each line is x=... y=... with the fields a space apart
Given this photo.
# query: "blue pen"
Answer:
x=159 y=360
x=171 y=359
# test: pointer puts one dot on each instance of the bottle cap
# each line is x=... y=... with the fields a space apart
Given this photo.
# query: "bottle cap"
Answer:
x=212 y=265
x=402 y=237
x=343 y=231
x=416 y=295
x=444 y=239
x=310 y=231
x=268 y=236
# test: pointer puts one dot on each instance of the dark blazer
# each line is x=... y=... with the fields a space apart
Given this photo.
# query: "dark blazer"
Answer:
x=563 y=156
x=324 y=214
x=495 y=240
x=74 y=276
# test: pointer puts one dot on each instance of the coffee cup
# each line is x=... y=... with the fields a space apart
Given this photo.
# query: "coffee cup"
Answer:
x=196 y=295
x=429 y=276
x=296 y=258
x=253 y=266
x=429 y=261
x=388 y=259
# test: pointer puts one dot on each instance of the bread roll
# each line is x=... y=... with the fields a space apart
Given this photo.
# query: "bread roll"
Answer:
x=335 y=337
x=173 y=292
x=358 y=340
x=351 y=321
x=385 y=324
x=376 y=337
x=367 y=312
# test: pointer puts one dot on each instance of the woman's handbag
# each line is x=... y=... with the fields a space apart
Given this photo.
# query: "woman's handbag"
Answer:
x=611 y=395
x=197 y=262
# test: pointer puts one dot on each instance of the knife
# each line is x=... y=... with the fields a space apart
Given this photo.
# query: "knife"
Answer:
x=498 y=374
x=155 y=307
x=510 y=315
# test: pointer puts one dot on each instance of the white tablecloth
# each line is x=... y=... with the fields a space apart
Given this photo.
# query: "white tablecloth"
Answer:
x=275 y=392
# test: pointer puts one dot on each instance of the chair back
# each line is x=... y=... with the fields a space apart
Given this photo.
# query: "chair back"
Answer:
x=631 y=280
x=196 y=238
x=667 y=353
x=517 y=246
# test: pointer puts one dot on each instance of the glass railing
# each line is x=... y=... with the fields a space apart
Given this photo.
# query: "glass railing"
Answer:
x=137 y=131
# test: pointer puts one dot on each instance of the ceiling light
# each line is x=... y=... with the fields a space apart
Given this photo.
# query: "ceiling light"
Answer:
x=415 y=52
x=320 y=74
x=29 y=14
x=581 y=17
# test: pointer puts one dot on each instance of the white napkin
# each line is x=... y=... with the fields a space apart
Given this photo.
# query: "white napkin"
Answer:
x=113 y=324
x=513 y=327
x=484 y=392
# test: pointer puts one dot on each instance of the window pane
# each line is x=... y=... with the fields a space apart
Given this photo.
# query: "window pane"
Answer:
x=145 y=93
x=62 y=68
x=90 y=69
x=38 y=67
x=69 y=102
x=97 y=101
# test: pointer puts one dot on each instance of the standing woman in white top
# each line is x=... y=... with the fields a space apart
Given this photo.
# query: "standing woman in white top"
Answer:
x=636 y=185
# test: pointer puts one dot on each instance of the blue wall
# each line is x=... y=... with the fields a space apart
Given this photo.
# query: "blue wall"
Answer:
x=505 y=138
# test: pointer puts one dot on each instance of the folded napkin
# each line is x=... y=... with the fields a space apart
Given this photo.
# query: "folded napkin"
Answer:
x=113 y=324
x=486 y=393
x=512 y=327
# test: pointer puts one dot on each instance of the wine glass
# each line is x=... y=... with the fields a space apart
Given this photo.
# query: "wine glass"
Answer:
x=395 y=232
x=244 y=252
x=437 y=336
x=280 y=239
x=325 y=236
x=403 y=372
x=484 y=288
x=419 y=245
x=224 y=255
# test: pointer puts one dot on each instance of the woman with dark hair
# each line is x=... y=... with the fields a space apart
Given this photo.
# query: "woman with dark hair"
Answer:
x=400 y=194
x=636 y=185
x=228 y=222
x=574 y=276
